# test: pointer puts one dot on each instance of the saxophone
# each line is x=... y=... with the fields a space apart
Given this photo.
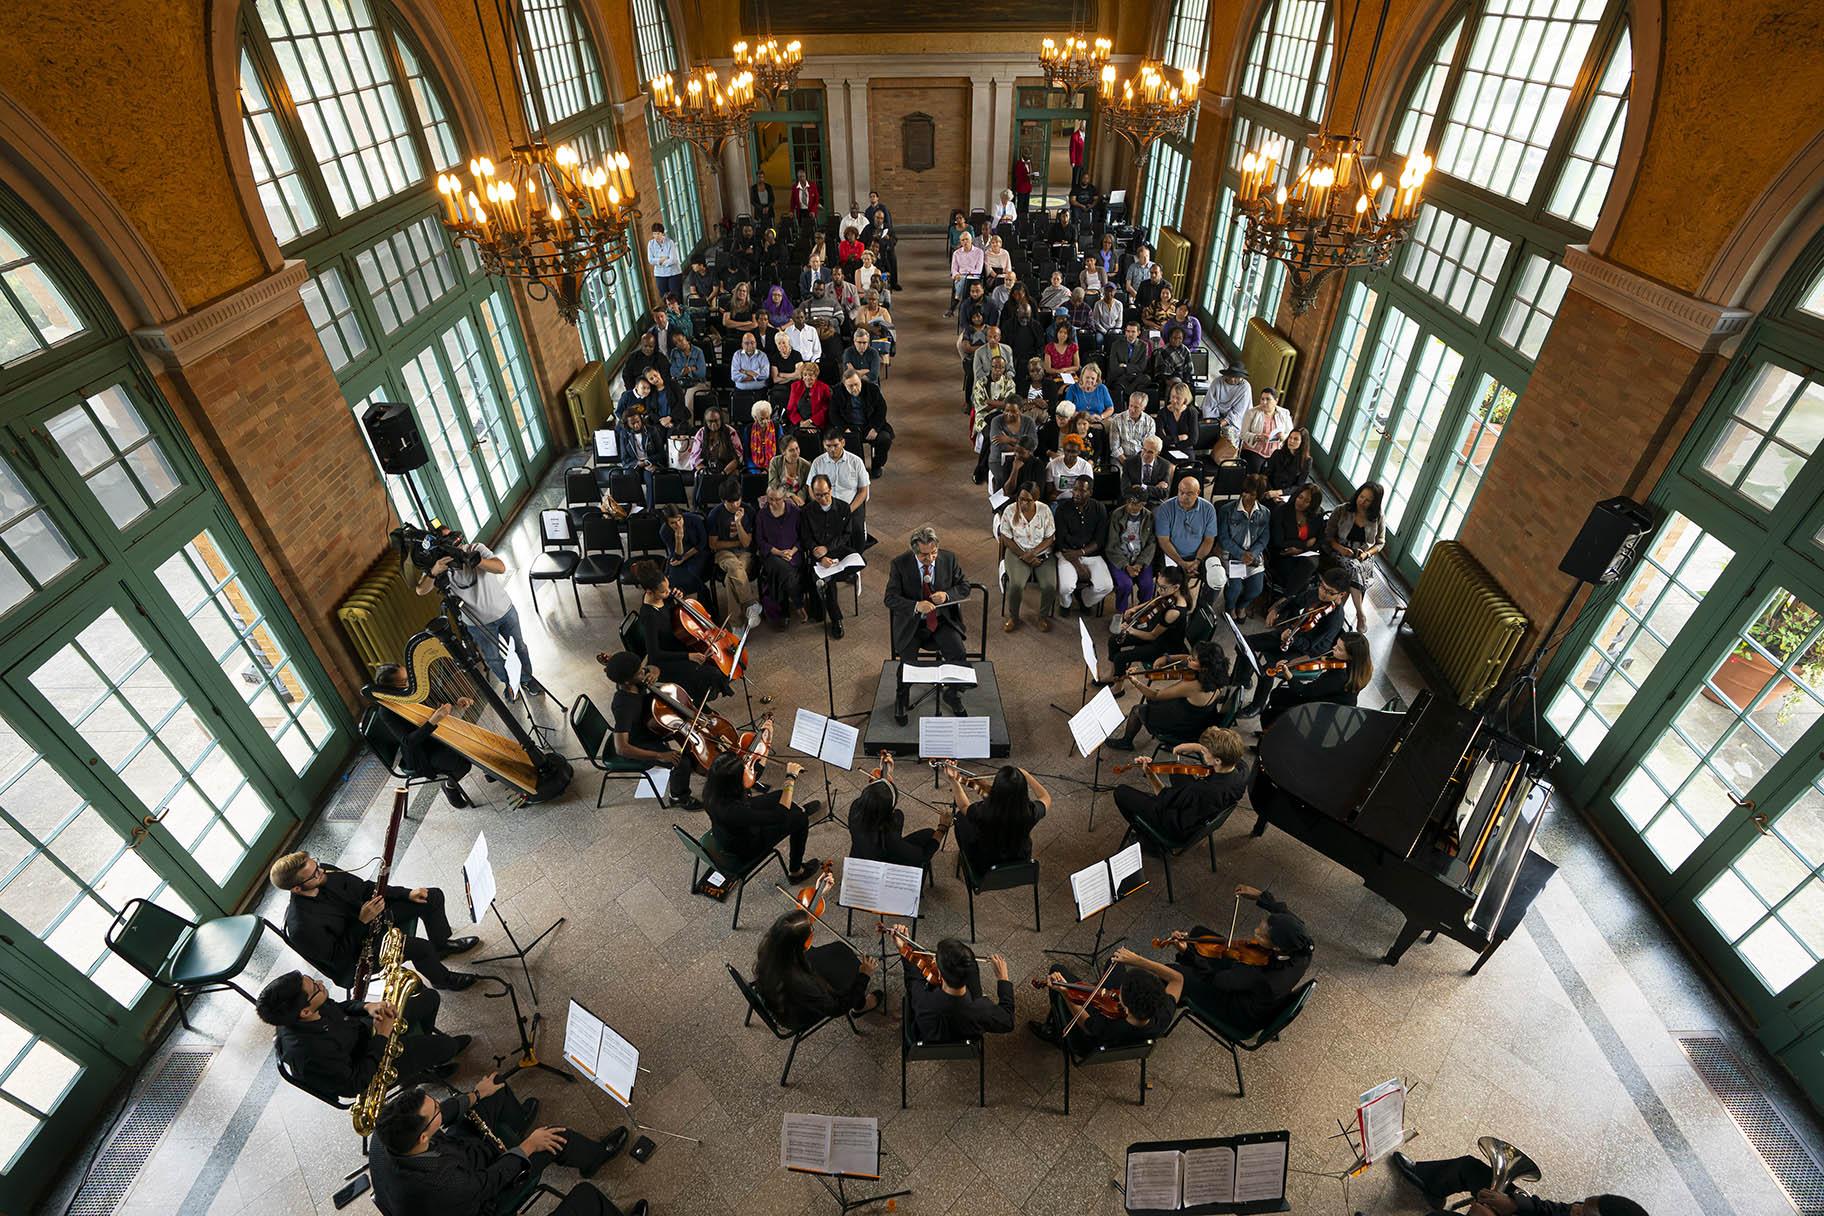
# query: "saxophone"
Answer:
x=398 y=985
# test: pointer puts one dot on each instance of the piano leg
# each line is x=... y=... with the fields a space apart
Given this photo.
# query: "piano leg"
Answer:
x=1409 y=933
x=1486 y=955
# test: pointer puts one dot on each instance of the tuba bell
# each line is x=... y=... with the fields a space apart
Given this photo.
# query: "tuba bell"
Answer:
x=1507 y=1164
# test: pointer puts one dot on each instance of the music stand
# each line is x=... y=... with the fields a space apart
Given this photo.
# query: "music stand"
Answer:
x=1256 y=1167
x=478 y=880
x=1112 y=879
x=829 y=678
x=1244 y=655
x=870 y=886
x=825 y=740
x=528 y=1037
x=597 y=1050
x=827 y=1167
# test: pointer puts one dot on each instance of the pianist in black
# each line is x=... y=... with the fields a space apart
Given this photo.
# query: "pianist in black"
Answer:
x=329 y=915
x=1439 y=1180
x=333 y=1048
x=1242 y=995
x=1299 y=627
x=420 y=753
x=428 y=1158
x=956 y=1009
x=1175 y=811
x=1346 y=670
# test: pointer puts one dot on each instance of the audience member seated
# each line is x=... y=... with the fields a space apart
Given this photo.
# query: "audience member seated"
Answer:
x=1263 y=429
x=1173 y=362
x=1028 y=537
x=1061 y=356
x=731 y=546
x=849 y=481
x=686 y=544
x=1129 y=429
x=760 y=441
x=1130 y=359
x=789 y=471
x=1082 y=526
x=827 y=537
x=861 y=410
x=1228 y=399
x=1289 y=467
x=779 y=545
x=689 y=371
x=1178 y=422
x=1243 y=527
x=752 y=375
x=1148 y=471
x=714 y=453
x=1129 y=547
x=807 y=402
x=1297 y=538
x=1070 y=465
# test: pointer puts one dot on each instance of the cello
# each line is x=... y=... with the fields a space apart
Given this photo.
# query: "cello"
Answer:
x=694 y=627
x=705 y=733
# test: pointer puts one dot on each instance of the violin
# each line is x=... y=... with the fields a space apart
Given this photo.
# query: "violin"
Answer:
x=694 y=627
x=1171 y=671
x=1142 y=616
x=923 y=961
x=1213 y=945
x=979 y=782
x=1168 y=769
x=1305 y=669
x=1101 y=1001
x=810 y=898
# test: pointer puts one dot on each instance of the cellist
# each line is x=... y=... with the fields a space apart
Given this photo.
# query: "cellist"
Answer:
x=1216 y=782
x=1245 y=995
x=635 y=737
x=690 y=670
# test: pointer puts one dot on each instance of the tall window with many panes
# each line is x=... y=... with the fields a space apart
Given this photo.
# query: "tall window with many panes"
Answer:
x=1690 y=699
x=346 y=128
x=674 y=163
x=1284 y=87
x=163 y=724
x=1523 y=107
x=1168 y=161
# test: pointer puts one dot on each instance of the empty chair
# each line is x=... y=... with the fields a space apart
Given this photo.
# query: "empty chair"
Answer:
x=558 y=555
x=188 y=957
x=602 y=561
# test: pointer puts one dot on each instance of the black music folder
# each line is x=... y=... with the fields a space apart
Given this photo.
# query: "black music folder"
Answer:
x=1223 y=1174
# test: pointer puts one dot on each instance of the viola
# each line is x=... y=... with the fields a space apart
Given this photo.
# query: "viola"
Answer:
x=694 y=627
x=1169 y=672
x=1213 y=945
x=1305 y=669
x=1143 y=615
x=1104 y=1002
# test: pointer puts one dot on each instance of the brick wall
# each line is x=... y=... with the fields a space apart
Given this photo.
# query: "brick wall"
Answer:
x=1607 y=405
x=555 y=351
x=927 y=197
x=279 y=439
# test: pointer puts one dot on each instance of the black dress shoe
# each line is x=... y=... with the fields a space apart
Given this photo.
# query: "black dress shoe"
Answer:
x=1119 y=744
x=806 y=868
x=813 y=808
x=458 y=981
x=1410 y=1173
x=836 y=628
x=612 y=1144
x=638 y=1209
x=689 y=803
x=954 y=700
x=457 y=945
x=459 y=1043
x=1042 y=1031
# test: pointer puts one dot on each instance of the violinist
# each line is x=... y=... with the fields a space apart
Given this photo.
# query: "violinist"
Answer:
x=953 y=1008
x=688 y=669
x=1244 y=994
x=1219 y=758
x=1178 y=698
x=1337 y=677
x=749 y=822
x=1299 y=627
x=635 y=737
x=877 y=825
x=1150 y=630
x=996 y=826
x=1143 y=1008
x=802 y=984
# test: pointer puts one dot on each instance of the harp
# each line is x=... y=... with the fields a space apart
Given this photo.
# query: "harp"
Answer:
x=440 y=670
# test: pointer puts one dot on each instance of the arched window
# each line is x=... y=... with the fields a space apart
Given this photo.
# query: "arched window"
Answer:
x=345 y=127
x=163 y=724
x=1524 y=107
x=1284 y=86
x=1168 y=161
x=673 y=161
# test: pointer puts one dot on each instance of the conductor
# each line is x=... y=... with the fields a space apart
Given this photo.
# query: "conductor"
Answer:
x=924 y=586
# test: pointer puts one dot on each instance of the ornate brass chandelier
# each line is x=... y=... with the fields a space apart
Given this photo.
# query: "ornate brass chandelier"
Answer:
x=1148 y=106
x=1337 y=212
x=774 y=67
x=542 y=215
x=705 y=111
x=1075 y=64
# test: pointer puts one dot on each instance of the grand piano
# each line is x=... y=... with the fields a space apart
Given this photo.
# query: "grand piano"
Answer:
x=1433 y=807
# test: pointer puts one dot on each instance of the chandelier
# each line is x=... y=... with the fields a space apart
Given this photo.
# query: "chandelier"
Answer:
x=543 y=215
x=1337 y=213
x=706 y=112
x=774 y=68
x=1074 y=64
x=1148 y=107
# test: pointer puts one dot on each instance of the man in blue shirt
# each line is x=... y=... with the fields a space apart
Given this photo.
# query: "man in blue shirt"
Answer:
x=752 y=374
x=666 y=260
x=1186 y=529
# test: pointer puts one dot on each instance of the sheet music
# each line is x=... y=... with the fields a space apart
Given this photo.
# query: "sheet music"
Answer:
x=804 y=1143
x=839 y=743
x=1090 y=888
x=596 y=1048
x=853 y=561
x=653 y=782
x=1209 y=1175
x=1123 y=865
x=1100 y=717
x=1382 y=1119
x=881 y=886
x=807 y=732
x=607 y=444
x=582 y=1040
x=1153 y=1181
x=855 y=1146
x=1176 y=455
x=953 y=738
x=478 y=878
x=998 y=499
x=1260 y=1171
x=939 y=673
x=1089 y=647
x=1241 y=569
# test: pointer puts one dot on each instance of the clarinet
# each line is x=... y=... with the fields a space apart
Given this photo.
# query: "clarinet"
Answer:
x=486 y=1131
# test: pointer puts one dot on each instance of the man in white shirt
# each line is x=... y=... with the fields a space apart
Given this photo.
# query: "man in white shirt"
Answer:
x=848 y=474
x=1129 y=429
x=1228 y=399
x=803 y=334
x=488 y=613
x=667 y=263
x=852 y=223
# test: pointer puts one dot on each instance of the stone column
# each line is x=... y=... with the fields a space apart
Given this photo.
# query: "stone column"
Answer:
x=983 y=184
x=840 y=186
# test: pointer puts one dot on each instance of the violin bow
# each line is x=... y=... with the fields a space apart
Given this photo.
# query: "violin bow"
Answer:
x=1084 y=1007
x=826 y=924
x=1234 y=916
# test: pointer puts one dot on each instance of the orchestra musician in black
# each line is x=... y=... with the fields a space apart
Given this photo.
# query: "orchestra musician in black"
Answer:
x=1299 y=627
x=1245 y=989
x=635 y=736
x=328 y=917
x=334 y=1048
x=1191 y=800
x=954 y=1008
x=1146 y=1004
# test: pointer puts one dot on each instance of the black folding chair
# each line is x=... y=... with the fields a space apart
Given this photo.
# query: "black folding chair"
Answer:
x=593 y=730
x=602 y=561
x=911 y=1047
x=558 y=555
x=1237 y=1040
x=1004 y=877
x=795 y=1037
x=706 y=858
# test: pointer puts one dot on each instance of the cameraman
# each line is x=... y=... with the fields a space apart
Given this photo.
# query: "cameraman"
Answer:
x=474 y=583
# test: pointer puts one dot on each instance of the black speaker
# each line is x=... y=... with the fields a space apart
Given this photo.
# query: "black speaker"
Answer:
x=1605 y=547
x=394 y=433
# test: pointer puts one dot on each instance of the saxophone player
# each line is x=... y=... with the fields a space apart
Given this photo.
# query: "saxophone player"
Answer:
x=475 y=1153
x=333 y=1048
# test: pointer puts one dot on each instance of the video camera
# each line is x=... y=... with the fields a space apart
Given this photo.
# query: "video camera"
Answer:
x=424 y=547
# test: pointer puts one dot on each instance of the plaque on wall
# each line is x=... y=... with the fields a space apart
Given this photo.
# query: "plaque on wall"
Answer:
x=918 y=142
